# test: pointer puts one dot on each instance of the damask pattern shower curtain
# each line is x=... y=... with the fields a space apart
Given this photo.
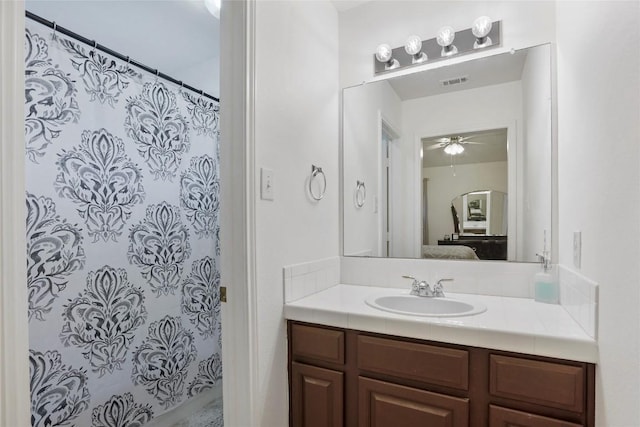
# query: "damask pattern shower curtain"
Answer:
x=122 y=238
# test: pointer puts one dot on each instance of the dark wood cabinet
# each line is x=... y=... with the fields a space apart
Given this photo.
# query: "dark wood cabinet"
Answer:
x=543 y=383
x=342 y=377
x=503 y=417
x=384 y=404
x=316 y=396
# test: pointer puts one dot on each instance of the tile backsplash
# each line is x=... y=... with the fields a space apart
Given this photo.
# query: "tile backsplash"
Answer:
x=301 y=280
x=485 y=278
x=579 y=296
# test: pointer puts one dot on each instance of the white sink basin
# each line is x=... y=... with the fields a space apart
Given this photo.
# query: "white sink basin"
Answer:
x=423 y=306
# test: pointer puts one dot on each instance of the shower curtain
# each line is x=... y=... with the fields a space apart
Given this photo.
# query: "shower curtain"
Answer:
x=122 y=238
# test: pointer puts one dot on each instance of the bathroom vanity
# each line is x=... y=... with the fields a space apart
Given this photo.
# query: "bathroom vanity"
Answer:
x=353 y=365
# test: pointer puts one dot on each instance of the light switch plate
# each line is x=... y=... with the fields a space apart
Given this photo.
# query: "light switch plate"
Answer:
x=266 y=184
x=577 y=248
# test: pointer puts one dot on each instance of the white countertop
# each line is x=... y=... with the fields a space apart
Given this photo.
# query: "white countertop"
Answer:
x=511 y=324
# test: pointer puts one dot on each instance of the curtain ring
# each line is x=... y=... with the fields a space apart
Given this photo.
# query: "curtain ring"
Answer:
x=95 y=46
x=361 y=194
x=157 y=75
x=55 y=28
x=315 y=172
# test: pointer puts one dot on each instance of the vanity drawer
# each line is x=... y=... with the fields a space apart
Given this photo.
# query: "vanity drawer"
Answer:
x=317 y=343
x=383 y=404
x=503 y=417
x=421 y=362
x=549 y=384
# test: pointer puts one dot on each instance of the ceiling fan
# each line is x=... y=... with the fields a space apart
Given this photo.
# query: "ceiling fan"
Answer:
x=453 y=145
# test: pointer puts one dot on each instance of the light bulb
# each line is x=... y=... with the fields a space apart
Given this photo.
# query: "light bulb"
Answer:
x=413 y=46
x=453 y=149
x=481 y=29
x=213 y=6
x=383 y=53
x=445 y=38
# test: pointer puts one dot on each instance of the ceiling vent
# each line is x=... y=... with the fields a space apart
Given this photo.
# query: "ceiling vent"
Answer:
x=454 y=81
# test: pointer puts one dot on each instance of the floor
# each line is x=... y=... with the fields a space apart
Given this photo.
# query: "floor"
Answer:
x=209 y=416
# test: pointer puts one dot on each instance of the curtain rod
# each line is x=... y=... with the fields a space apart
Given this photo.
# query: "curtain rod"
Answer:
x=111 y=52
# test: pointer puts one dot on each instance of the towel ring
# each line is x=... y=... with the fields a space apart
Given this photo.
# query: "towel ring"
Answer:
x=361 y=193
x=315 y=172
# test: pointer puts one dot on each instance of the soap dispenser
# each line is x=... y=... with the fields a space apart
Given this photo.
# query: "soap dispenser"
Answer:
x=545 y=286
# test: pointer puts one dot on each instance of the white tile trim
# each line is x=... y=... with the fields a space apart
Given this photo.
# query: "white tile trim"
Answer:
x=579 y=297
x=301 y=280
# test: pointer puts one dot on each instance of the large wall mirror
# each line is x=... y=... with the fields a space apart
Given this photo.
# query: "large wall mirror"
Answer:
x=451 y=162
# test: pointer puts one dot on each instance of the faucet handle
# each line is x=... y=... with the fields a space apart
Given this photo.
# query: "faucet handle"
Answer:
x=438 y=289
x=415 y=286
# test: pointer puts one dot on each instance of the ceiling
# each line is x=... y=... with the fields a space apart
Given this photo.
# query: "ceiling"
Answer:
x=487 y=71
x=176 y=37
x=492 y=148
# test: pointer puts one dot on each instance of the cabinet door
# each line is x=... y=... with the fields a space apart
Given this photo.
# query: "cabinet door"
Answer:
x=503 y=417
x=316 y=396
x=383 y=404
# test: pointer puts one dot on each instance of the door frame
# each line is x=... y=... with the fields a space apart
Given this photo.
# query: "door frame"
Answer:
x=386 y=126
x=239 y=349
x=15 y=404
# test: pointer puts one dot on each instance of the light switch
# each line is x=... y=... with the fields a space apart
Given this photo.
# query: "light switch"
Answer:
x=577 y=248
x=266 y=184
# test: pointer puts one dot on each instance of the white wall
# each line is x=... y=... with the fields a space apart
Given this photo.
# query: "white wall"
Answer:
x=536 y=151
x=364 y=107
x=489 y=107
x=443 y=187
x=362 y=29
x=296 y=125
x=599 y=177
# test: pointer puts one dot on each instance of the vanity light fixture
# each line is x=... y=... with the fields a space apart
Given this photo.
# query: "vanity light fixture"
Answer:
x=413 y=46
x=454 y=148
x=481 y=29
x=384 y=55
x=445 y=38
x=484 y=35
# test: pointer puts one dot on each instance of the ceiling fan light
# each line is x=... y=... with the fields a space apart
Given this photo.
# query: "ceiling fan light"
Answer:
x=453 y=149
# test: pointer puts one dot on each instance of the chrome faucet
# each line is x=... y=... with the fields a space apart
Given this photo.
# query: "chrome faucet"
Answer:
x=421 y=288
